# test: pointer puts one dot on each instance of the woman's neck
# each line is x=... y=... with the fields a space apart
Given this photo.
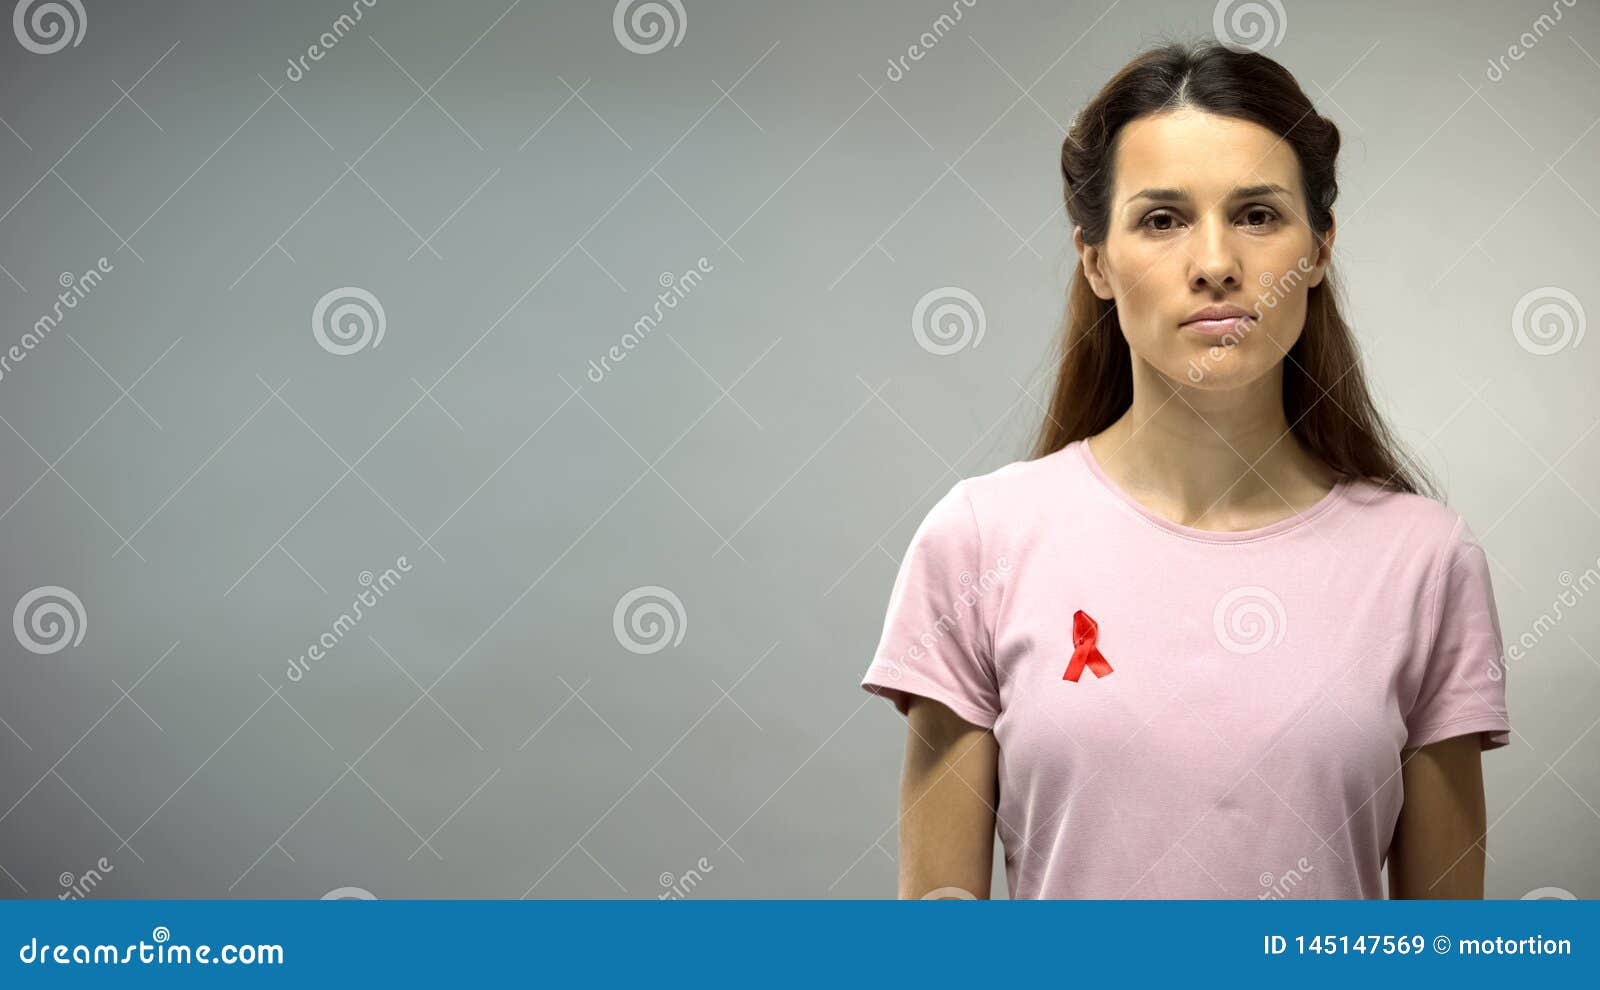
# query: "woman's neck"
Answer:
x=1211 y=458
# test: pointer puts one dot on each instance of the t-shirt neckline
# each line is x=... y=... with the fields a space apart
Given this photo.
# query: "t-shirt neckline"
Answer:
x=1284 y=525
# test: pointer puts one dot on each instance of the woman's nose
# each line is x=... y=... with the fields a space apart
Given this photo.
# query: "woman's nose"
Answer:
x=1213 y=260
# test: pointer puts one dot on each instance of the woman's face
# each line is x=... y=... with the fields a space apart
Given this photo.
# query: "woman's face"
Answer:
x=1206 y=211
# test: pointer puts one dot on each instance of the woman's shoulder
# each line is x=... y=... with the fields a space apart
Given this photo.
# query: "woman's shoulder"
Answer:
x=1015 y=490
x=1424 y=522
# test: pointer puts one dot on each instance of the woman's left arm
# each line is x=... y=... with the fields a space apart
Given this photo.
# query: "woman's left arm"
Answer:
x=1439 y=841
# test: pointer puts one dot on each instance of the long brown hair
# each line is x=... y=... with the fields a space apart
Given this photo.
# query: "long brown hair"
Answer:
x=1325 y=395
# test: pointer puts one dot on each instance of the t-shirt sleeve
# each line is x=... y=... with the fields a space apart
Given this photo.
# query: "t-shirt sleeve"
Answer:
x=1462 y=686
x=935 y=640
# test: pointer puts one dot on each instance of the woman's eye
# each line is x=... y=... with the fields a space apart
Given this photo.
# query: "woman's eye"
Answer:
x=1255 y=216
x=1260 y=211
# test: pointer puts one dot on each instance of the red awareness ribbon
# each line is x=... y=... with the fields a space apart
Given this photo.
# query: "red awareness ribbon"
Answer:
x=1085 y=652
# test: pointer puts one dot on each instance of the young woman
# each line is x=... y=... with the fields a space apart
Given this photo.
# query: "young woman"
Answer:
x=1212 y=640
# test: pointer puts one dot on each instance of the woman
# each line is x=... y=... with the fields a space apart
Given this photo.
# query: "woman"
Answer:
x=1212 y=640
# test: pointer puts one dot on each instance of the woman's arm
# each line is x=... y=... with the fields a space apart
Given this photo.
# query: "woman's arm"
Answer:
x=947 y=802
x=1438 y=846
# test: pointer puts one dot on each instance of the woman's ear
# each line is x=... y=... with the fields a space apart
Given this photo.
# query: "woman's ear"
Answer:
x=1093 y=260
x=1324 y=254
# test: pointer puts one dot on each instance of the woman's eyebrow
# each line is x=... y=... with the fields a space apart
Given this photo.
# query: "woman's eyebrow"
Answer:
x=1182 y=195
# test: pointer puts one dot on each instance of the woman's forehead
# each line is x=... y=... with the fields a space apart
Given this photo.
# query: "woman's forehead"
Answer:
x=1204 y=155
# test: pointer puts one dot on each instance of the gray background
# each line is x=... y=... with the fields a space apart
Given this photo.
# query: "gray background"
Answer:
x=511 y=182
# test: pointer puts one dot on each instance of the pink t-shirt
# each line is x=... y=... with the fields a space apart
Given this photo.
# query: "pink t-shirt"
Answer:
x=1238 y=702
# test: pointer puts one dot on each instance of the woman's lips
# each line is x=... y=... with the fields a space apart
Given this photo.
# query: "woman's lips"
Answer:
x=1216 y=328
